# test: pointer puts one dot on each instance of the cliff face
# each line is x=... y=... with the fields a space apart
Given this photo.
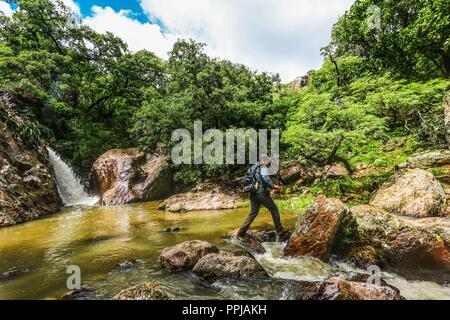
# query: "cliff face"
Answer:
x=27 y=188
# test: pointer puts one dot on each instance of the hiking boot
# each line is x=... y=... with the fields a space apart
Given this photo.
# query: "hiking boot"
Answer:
x=283 y=234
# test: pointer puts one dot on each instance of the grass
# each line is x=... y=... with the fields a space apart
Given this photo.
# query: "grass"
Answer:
x=297 y=204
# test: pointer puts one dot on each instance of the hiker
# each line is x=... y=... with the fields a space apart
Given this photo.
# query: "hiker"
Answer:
x=258 y=182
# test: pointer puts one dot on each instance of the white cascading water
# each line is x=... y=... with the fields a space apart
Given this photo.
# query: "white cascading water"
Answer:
x=70 y=188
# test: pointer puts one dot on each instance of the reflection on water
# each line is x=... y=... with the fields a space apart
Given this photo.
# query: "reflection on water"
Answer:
x=98 y=239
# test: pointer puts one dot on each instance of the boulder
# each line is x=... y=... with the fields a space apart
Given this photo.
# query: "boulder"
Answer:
x=340 y=289
x=428 y=159
x=413 y=193
x=335 y=170
x=123 y=176
x=315 y=230
x=27 y=188
x=185 y=255
x=146 y=291
x=253 y=240
x=84 y=293
x=204 y=196
x=173 y=229
x=374 y=236
x=294 y=172
x=227 y=265
x=336 y=289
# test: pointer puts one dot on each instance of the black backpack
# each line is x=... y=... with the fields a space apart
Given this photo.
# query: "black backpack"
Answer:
x=249 y=181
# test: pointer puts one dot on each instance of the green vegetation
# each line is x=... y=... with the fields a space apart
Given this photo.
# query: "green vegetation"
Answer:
x=376 y=99
x=296 y=204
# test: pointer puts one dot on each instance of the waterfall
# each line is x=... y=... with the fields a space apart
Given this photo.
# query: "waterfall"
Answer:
x=70 y=188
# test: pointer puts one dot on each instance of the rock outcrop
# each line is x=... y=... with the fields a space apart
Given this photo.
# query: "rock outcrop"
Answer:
x=185 y=255
x=227 y=265
x=123 y=176
x=146 y=291
x=205 y=196
x=294 y=173
x=428 y=159
x=27 y=188
x=369 y=235
x=374 y=236
x=413 y=193
x=316 y=229
x=336 y=289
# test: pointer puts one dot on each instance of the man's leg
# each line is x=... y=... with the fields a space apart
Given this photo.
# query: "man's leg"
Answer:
x=268 y=202
x=255 y=205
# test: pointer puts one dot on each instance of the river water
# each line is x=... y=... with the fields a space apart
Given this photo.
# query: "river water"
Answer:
x=98 y=239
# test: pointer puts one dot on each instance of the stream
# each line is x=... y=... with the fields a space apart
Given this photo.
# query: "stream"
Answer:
x=118 y=247
x=98 y=239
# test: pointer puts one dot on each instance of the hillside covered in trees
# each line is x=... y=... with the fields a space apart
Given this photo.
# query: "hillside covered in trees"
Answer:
x=86 y=93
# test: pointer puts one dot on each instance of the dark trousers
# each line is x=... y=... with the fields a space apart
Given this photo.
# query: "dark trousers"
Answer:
x=258 y=199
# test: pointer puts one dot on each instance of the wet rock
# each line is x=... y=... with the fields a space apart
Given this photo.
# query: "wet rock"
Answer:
x=127 y=175
x=428 y=159
x=340 y=289
x=212 y=197
x=146 y=291
x=315 y=230
x=12 y=273
x=414 y=193
x=185 y=255
x=82 y=293
x=336 y=289
x=173 y=229
x=129 y=264
x=375 y=236
x=253 y=240
x=27 y=188
x=226 y=265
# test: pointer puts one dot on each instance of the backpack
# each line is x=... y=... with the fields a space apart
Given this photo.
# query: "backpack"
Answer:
x=250 y=181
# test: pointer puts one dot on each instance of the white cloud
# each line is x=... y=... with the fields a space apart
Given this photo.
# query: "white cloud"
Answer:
x=72 y=5
x=282 y=36
x=279 y=36
x=137 y=35
x=5 y=8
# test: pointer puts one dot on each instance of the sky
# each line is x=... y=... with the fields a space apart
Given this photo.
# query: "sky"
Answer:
x=277 y=36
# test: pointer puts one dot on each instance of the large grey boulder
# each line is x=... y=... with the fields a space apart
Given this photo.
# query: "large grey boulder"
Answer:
x=428 y=159
x=227 y=265
x=204 y=196
x=413 y=193
x=123 y=176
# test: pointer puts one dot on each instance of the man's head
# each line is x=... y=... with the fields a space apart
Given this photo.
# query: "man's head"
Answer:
x=264 y=160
